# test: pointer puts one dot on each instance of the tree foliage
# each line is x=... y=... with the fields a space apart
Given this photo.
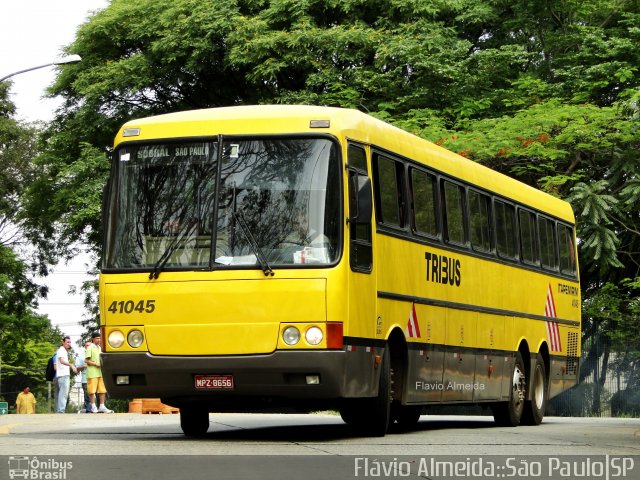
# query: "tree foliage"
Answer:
x=27 y=339
x=18 y=145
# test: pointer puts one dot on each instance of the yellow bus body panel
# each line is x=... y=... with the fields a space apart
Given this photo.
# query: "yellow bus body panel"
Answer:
x=219 y=316
x=477 y=311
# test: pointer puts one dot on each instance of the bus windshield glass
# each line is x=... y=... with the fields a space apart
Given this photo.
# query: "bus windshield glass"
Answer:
x=239 y=203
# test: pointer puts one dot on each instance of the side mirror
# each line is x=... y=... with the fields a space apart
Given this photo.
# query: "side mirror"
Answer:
x=363 y=208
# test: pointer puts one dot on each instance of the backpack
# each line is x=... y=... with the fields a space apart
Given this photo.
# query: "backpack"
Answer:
x=50 y=372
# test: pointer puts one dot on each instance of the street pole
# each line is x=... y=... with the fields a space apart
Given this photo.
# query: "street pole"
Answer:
x=62 y=61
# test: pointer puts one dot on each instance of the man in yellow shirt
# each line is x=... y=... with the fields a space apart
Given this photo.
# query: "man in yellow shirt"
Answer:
x=95 y=383
x=25 y=402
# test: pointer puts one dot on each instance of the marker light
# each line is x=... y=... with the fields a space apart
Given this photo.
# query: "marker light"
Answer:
x=131 y=132
x=291 y=335
x=319 y=124
x=116 y=339
x=313 y=336
x=135 y=338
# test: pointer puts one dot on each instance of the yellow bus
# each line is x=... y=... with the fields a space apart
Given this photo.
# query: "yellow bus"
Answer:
x=300 y=257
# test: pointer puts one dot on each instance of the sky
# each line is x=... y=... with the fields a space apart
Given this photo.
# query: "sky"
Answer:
x=32 y=33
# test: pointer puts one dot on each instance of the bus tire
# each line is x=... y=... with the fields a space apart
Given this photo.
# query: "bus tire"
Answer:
x=371 y=416
x=348 y=411
x=509 y=414
x=534 y=408
x=378 y=408
x=194 y=421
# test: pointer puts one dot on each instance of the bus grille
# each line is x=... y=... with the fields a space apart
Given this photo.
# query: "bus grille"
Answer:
x=572 y=354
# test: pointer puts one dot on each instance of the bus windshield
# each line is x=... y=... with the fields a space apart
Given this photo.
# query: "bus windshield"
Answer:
x=231 y=204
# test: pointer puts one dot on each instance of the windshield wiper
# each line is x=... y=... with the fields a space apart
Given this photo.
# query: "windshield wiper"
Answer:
x=164 y=258
x=266 y=268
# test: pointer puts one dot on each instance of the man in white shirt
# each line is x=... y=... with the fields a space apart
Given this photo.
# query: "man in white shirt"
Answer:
x=63 y=374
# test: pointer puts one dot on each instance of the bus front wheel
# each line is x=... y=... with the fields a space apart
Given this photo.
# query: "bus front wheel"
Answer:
x=194 y=421
x=379 y=407
x=371 y=415
x=508 y=414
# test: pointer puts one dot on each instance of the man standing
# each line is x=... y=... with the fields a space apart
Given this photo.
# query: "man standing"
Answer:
x=25 y=402
x=95 y=383
x=63 y=374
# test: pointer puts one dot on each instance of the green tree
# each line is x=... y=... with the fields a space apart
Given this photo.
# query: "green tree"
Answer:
x=26 y=338
x=18 y=145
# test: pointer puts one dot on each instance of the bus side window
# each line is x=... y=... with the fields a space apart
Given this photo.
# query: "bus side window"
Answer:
x=361 y=252
x=454 y=213
x=480 y=221
x=424 y=192
x=389 y=192
x=567 y=250
x=528 y=237
x=506 y=242
x=546 y=228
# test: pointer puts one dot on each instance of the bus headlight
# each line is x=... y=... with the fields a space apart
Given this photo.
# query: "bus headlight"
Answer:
x=135 y=338
x=291 y=335
x=116 y=339
x=313 y=336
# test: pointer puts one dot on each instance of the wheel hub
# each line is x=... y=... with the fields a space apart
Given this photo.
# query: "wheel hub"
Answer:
x=518 y=385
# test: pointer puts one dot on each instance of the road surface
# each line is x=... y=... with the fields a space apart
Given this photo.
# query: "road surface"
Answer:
x=313 y=446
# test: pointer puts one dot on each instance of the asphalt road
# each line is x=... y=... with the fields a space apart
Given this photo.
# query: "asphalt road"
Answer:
x=311 y=446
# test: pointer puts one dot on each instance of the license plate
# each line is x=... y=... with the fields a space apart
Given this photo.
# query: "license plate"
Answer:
x=214 y=382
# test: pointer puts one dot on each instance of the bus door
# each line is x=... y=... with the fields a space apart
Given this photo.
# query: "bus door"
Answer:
x=360 y=331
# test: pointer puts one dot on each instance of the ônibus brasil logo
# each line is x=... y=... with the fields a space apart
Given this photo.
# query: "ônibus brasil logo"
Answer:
x=33 y=468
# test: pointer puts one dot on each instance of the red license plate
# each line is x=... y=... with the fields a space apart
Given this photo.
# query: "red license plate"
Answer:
x=214 y=382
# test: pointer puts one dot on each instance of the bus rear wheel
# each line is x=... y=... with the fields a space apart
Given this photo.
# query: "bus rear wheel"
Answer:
x=509 y=414
x=194 y=421
x=534 y=408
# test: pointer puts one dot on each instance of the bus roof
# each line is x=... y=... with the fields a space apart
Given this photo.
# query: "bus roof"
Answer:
x=343 y=124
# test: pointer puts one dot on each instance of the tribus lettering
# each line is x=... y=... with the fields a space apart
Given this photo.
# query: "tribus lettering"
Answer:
x=442 y=269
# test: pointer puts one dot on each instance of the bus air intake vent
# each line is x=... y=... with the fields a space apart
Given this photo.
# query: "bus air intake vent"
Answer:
x=572 y=354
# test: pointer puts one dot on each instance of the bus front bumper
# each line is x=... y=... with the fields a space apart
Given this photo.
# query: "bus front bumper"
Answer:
x=293 y=375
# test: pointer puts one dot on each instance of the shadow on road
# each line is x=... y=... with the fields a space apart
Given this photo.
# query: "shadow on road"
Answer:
x=290 y=429
x=324 y=432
